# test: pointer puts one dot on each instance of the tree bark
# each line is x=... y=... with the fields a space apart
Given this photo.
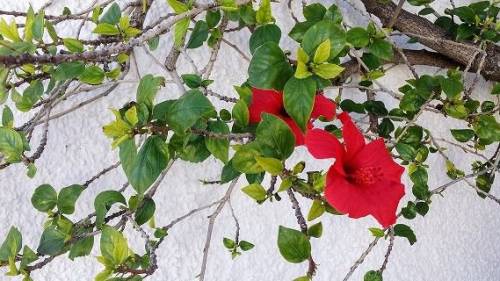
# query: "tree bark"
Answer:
x=437 y=39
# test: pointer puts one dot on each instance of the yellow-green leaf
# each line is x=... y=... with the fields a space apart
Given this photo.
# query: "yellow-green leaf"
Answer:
x=302 y=56
x=270 y=165
x=177 y=6
x=322 y=52
x=302 y=72
x=328 y=70
x=9 y=31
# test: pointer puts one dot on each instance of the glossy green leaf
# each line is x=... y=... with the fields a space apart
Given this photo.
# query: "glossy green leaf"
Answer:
x=269 y=67
x=67 y=198
x=103 y=203
x=188 y=109
x=44 y=198
x=293 y=245
x=219 y=147
x=11 y=245
x=52 y=241
x=145 y=212
x=150 y=161
x=93 y=75
x=199 y=35
x=263 y=34
x=298 y=99
x=255 y=191
x=114 y=247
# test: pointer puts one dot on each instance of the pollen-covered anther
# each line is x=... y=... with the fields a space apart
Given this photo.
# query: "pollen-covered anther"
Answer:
x=366 y=175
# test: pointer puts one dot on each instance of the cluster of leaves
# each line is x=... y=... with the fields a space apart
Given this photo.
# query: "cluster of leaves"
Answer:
x=190 y=128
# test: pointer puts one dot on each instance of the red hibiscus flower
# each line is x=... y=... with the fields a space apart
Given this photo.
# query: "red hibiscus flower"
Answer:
x=271 y=101
x=364 y=180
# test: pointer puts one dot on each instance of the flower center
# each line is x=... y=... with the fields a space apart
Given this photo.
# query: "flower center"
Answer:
x=366 y=175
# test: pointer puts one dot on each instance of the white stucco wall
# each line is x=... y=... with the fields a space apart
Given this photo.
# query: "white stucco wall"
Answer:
x=459 y=239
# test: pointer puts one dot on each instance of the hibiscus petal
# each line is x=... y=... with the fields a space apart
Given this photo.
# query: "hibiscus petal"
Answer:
x=323 y=145
x=299 y=135
x=375 y=154
x=269 y=101
x=323 y=107
x=353 y=139
x=379 y=200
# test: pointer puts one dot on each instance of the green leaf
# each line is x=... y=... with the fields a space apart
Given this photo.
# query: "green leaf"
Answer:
x=112 y=15
x=406 y=151
x=244 y=161
x=422 y=208
x=496 y=89
x=241 y=114
x=299 y=100
x=316 y=211
x=377 y=232
x=38 y=26
x=302 y=278
x=263 y=34
x=29 y=256
x=106 y=29
x=148 y=88
x=298 y=31
x=350 y=106
x=153 y=43
x=44 y=198
x=274 y=137
x=31 y=95
x=264 y=13
x=11 y=245
x=403 y=230
x=270 y=165
x=322 y=52
x=373 y=275
x=82 y=247
x=114 y=246
x=68 y=70
x=315 y=230
x=381 y=49
x=52 y=241
x=103 y=203
x=7 y=117
x=9 y=31
x=193 y=81
x=219 y=147
x=150 y=161
x=419 y=176
x=145 y=212
x=67 y=198
x=269 y=67
x=92 y=75
x=293 y=245
x=328 y=70
x=255 y=191
x=213 y=18
x=462 y=135
x=180 y=30
x=178 y=6
x=409 y=212
x=128 y=153
x=314 y=12
x=11 y=144
x=228 y=243
x=73 y=45
x=358 y=37
x=486 y=128
x=188 y=109
x=321 y=31
x=451 y=87
x=199 y=35
x=245 y=245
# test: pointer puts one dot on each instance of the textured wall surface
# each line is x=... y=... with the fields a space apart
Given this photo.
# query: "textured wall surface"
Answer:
x=459 y=239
